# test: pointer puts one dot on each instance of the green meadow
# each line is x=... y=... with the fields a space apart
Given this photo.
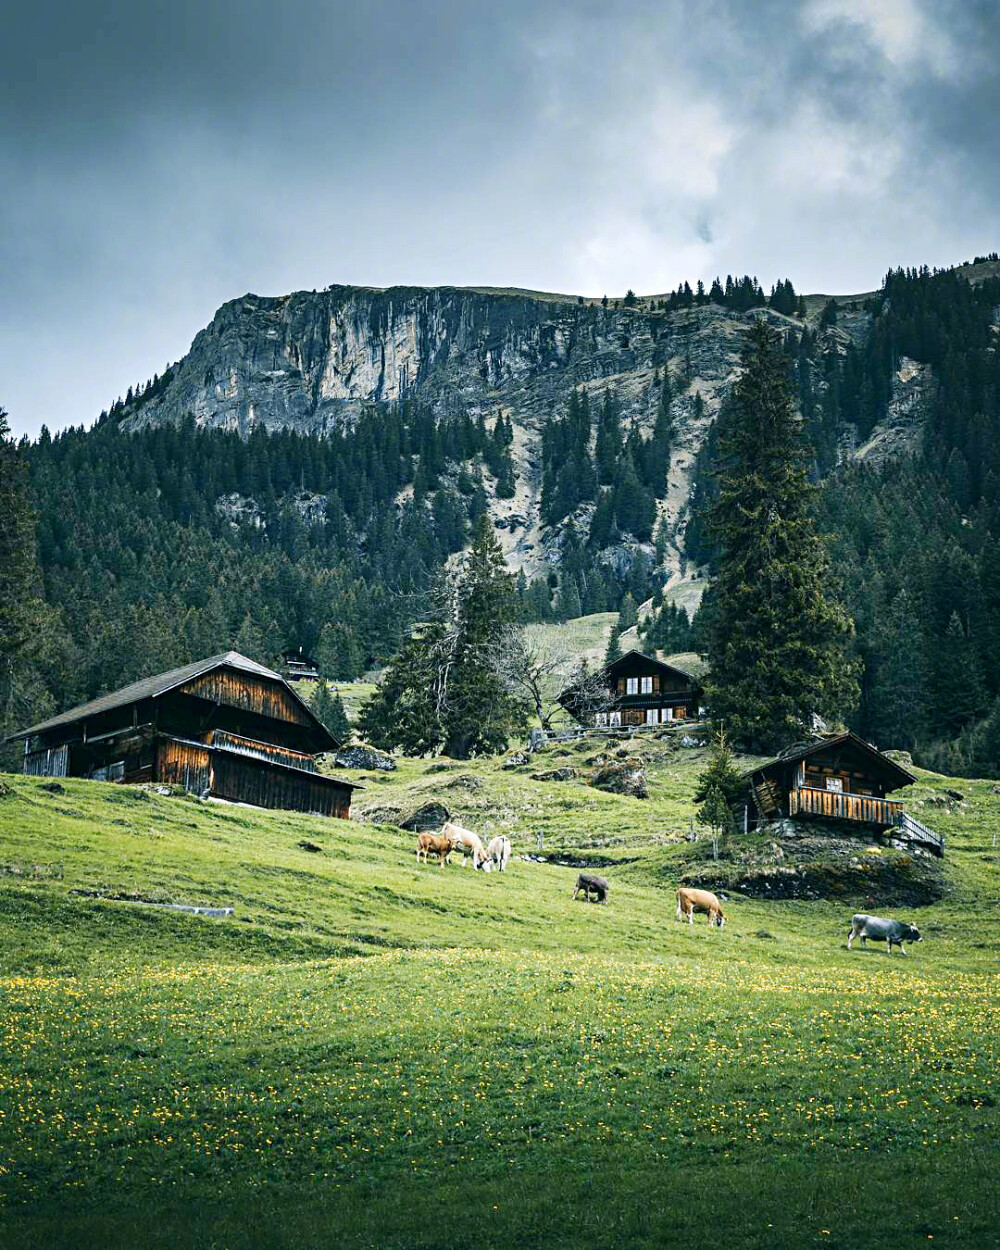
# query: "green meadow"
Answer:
x=372 y=1053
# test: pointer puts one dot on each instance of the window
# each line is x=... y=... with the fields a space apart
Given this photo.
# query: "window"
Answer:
x=631 y=685
x=666 y=713
x=835 y=783
x=647 y=685
x=614 y=719
x=600 y=718
x=651 y=716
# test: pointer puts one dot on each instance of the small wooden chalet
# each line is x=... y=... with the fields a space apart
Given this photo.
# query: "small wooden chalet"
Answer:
x=839 y=777
x=224 y=726
x=643 y=690
x=297 y=666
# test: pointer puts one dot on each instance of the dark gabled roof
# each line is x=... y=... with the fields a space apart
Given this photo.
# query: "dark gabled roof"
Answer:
x=153 y=687
x=687 y=663
x=802 y=750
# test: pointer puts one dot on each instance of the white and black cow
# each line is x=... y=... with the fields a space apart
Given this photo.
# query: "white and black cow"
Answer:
x=892 y=932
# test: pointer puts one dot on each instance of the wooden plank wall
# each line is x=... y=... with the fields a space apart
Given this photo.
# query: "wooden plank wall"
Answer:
x=244 y=781
x=261 y=750
x=180 y=764
x=52 y=762
x=250 y=694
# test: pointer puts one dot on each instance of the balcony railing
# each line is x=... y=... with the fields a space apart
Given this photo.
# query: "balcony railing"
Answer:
x=840 y=806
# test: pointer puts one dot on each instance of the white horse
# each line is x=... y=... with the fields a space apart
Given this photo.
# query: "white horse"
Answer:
x=499 y=852
x=469 y=844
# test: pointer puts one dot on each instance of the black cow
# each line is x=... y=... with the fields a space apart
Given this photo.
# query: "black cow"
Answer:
x=587 y=882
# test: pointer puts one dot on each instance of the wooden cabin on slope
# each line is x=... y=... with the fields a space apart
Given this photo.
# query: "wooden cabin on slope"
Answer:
x=297 y=666
x=835 y=778
x=224 y=726
x=643 y=690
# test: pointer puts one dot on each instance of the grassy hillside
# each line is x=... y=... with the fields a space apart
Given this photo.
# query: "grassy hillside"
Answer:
x=372 y=1053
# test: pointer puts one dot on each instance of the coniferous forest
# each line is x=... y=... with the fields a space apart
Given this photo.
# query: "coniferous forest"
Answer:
x=173 y=543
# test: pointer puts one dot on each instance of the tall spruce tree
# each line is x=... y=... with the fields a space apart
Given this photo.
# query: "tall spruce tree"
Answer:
x=25 y=620
x=446 y=688
x=778 y=640
x=329 y=708
x=480 y=710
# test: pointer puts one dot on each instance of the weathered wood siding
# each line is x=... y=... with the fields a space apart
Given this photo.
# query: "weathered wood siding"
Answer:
x=52 y=762
x=182 y=764
x=245 y=780
x=250 y=694
x=261 y=750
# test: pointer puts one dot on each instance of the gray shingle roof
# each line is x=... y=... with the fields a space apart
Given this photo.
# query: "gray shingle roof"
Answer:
x=151 y=687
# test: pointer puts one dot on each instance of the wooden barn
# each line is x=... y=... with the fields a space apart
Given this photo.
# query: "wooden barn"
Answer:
x=224 y=726
x=643 y=690
x=840 y=777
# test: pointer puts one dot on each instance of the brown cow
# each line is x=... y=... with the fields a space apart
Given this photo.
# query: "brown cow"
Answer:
x=442 y=847
x=689 y=901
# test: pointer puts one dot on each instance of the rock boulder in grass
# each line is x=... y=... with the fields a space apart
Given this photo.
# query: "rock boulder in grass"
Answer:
x=365 y=757
x=427 y=818
x=517 y=760
x=555 y=774
x=626 y=776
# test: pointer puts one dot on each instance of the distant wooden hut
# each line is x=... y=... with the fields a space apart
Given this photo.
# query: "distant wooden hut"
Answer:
x=297 y=666
x=839 y=777
x=642 y=690
x=224 y=726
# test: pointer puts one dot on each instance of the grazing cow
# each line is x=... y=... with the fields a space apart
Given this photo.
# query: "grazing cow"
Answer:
x=469 y=844
x=689 y=901
x=889 y=931
x=441 y=847
x=499 y=852
x=586 y=882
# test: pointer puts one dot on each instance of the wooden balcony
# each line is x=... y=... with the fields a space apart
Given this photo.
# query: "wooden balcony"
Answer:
x=808 y=801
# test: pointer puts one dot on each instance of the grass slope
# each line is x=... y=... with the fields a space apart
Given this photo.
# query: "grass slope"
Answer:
x=368 y=1053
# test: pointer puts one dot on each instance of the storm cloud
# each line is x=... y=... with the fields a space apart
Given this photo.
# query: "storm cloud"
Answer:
x=158 y=160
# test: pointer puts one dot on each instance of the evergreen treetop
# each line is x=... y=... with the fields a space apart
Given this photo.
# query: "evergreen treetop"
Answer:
x=778 y=640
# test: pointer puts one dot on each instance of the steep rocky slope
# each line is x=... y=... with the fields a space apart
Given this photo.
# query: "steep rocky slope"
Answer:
x=314 y=361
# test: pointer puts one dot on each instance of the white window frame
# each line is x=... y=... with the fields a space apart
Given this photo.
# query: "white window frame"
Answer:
x=652 y=716
x=600 y=718
x=631 y=685
x=835 y=785
x=646 y=685
x=666 y=713
x=615 y=720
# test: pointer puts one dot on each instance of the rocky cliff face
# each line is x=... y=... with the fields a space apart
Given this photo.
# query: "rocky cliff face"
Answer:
x=314 y=361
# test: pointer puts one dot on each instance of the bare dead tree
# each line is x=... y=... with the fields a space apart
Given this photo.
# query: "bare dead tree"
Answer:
x=525 y=667
x=589 y=692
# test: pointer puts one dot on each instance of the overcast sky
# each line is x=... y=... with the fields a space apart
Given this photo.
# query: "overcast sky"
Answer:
x=157 y=159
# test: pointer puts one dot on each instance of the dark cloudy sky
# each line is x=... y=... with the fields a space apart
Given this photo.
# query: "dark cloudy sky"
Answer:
x=158 y=158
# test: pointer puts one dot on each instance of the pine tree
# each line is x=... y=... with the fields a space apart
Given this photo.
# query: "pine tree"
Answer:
x=958 y=686
x=613 y=651
x=26 y=622
x=480 y=711
x=777 y=640
x=330 y=710
x=407 y=708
